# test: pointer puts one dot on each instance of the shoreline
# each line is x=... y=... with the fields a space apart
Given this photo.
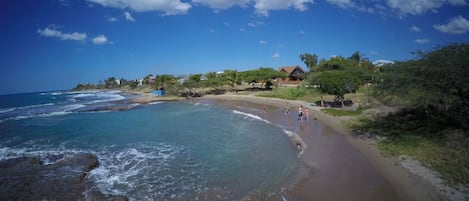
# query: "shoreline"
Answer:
x=391 y=180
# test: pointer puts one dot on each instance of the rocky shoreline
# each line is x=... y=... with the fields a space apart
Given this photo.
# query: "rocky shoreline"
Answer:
x=28 y=178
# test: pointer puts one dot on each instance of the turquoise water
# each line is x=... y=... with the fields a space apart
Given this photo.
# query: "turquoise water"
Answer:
x=160 y=151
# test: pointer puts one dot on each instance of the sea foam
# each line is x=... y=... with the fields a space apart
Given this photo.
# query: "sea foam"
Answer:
x=252 y=116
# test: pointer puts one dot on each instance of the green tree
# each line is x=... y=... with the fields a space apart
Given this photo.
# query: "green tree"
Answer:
x=356 y=56
x=193 y=82
x=263 y=75
x=163 y=81
x=214 y=80
x=232 y=78
x=309 y=60
x=336 y=83
x=110 y=82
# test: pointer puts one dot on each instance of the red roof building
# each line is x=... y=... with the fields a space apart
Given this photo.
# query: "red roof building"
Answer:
x=294 y=75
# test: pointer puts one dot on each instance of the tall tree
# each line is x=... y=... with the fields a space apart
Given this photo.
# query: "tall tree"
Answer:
x=309 y=60
x=193 y=82
x=214 y=80
x=163 y=81
x=110 y=82
x=233 y=78
x=356 y=56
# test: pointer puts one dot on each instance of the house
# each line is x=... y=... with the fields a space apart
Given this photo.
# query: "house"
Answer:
x=139 y=82
x=294 y=75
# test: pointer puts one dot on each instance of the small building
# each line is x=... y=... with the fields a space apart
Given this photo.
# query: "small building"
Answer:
x=139 y=82
x=294 y=75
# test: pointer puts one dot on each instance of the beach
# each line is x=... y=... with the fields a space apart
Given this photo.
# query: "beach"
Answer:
x=333 y=164
x=258 y=152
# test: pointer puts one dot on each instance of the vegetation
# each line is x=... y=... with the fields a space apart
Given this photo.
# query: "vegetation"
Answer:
x=339 y=112
x=310 y=60
x=262 y=75
x=336 y=83
x=431 y=122
x=294 y=93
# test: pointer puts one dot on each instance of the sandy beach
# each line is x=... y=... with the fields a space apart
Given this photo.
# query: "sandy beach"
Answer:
x=333 y=164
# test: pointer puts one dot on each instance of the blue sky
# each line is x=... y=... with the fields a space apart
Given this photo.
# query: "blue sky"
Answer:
x=55 y=44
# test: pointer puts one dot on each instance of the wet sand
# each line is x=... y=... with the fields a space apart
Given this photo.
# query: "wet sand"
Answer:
x=333 y=165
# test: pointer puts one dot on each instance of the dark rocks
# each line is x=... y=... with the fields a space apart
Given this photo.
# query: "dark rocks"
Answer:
x=27 y=178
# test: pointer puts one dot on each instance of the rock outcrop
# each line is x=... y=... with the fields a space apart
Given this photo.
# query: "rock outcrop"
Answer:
x=27 y=178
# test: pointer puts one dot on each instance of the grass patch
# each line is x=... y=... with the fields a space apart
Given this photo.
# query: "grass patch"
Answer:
x=342 y=112
x=296 y=93
x=451 y=163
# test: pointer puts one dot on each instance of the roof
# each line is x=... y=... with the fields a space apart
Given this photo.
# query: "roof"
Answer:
x=290 y=69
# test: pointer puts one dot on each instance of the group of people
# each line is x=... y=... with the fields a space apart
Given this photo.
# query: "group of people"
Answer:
x=303 y=113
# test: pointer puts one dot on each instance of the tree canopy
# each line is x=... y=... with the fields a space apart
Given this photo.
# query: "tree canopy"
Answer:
x=336 y=83
x=262 y=75
x=310 y=60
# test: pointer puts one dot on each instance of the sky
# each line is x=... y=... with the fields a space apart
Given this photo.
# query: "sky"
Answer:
x=56 y=44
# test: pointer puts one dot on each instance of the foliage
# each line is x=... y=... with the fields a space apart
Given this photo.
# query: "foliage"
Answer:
x=88 y=86
x=436 y=84
x=309 y=60
x=193 y=82
x=293 y=93
x=110 y=82
x=336 y=83
x=263 y=75
x=356 y=56
x=214 y=80
x=163 y=81
x=451 y=163
x=232 y=78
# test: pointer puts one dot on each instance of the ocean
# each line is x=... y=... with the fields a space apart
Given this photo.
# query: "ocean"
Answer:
x=157 y=151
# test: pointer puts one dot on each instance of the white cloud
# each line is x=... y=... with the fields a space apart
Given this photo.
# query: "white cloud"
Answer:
x=111 y=19
x=168 y=7
x=100 y=40
x=456 y=25
x=341 y=3
x=242 y=29
x=251 y=24
x=457 y=2
x=263 y=42
x=222 y=4
x=417 y=7
x=422 y=41
x=53 y=32
x=415 y=28
x=301 y=32
x=276 y=55
x=129 y=17
x=264 y=6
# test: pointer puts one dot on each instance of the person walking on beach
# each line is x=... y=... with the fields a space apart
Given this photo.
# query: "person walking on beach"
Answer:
x=287 y=108
x=300 y=113
x=265 y=108
x=306 y=114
